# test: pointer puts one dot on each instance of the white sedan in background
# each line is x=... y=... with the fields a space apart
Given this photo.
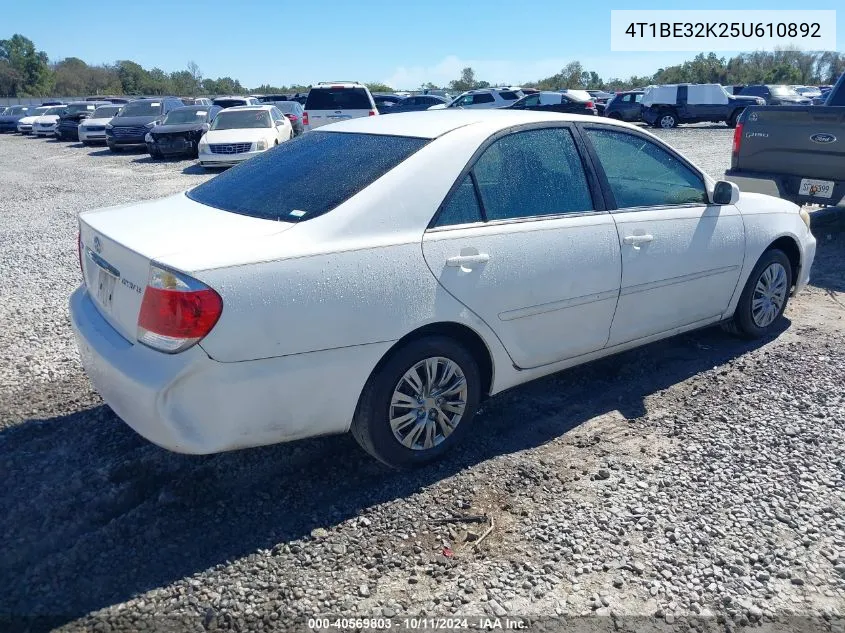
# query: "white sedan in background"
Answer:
x=387 y=274
x=45 y=125
x=243 y=132
x=25 y=124
x=93 y=129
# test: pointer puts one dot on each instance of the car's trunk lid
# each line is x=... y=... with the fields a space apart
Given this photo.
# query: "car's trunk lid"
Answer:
x=119 y=243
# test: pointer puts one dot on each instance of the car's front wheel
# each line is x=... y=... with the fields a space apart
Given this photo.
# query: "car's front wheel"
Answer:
x=667 y=120
x=419 y=403
x=764 y=297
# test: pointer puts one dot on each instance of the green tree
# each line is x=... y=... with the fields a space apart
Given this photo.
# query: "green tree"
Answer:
x=132 y=77
x=32 y=75
x=71 y=77
x=376 y=86
x=467 y=81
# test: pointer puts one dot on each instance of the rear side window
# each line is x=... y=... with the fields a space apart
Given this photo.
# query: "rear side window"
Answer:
x=641 y=174
x=508 y=95
x=462 y=207
x=306 y=177
x=484 y=97
x=338 y=99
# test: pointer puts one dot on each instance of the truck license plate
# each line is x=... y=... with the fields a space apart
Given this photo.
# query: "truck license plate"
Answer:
x=816 y=188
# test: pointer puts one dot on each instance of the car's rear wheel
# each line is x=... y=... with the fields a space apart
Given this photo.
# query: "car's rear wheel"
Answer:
x=764 y=297
x=731 y=122
x=419 y=403
x=667 y=120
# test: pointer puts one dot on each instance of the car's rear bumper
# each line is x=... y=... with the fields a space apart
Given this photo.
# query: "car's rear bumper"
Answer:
x=190 y=403
x=783 y=186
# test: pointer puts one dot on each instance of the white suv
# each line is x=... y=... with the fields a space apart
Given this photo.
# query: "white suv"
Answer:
x=484 y=98
x=337 y=101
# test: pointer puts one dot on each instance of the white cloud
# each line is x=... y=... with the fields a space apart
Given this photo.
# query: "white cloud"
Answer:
x=620 y=65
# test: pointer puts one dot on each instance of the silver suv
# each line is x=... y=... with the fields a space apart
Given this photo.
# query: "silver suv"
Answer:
x=484 y=98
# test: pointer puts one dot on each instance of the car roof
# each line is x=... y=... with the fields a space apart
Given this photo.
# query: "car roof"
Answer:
x=432 y=124
x=194 y=107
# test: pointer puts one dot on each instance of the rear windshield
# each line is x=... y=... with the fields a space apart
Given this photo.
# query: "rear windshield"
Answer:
x=141 y=108
x=229 y=103
x=307 y=176
x=338 y=99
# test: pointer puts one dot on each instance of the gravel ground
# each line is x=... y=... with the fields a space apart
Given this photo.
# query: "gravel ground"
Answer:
x=700 y=476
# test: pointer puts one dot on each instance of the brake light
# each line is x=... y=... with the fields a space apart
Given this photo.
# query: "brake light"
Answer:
x=590 y=104
x=291 y=117
x=177 y=311
x=372 y=112
x=737 y=139
x=304 y=118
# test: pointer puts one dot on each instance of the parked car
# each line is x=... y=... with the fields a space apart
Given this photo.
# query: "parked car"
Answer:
x=625 y=106
x=775 y=95
x=46 y=124
x=12 y=115
x=93 y=129
x=180 y=131
x=796 y=153
x=810 y=92
x=234 y=102
x=135 y=119
x=416 y=103
x=240 y=133
x=120 y=100
x=203 y=101
x=204 y=330
x=482 y=99
x=667 y=106
x=52 y=103
x=332 y=102
x=384 y=102
x=24 y=125
x=271 y=98
x=547 y=101
x=294 y=111
x=69 y=120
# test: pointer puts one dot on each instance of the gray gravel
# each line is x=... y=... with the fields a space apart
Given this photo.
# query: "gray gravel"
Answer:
x=700 y=476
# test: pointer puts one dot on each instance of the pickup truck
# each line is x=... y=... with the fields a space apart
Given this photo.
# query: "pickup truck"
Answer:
x=795 y=153
x=667 y=106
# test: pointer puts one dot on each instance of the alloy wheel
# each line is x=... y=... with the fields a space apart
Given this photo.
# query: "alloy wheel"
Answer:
x=769 y=295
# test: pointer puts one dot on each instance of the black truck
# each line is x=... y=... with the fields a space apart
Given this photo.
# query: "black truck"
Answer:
x=795 y=153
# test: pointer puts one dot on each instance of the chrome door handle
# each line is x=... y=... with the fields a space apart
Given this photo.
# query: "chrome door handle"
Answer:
x=636 y=240
x=463 y=260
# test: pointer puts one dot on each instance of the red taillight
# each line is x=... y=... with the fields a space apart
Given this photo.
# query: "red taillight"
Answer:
x=304 y=118
x=292 y=117
x=372 y=112
x=590 y=104
x=79 y=250
x=176 y=311
x=737 y=139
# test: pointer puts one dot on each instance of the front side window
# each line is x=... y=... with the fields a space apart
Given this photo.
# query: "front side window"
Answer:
x=484 y=97
x=642 y=174
x=462 y=101
x=526 y=174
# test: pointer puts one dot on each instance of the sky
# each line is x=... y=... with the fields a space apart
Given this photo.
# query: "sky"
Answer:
x=403 y=44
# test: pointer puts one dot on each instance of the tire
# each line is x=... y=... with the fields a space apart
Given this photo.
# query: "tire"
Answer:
x=371 y=426
x=731 y=122
x=745 y=323
x=115 y=149
x=666 y=120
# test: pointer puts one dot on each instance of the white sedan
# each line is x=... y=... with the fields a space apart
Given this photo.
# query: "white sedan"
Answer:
x=25 y=124
x=242 y=132
x=384 y=275
x=45 y=125
x=93 y=129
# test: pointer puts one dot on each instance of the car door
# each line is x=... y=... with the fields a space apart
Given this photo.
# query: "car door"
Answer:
x=631 y=107
x=482 y=100
x=681 y=255
x=524 y=242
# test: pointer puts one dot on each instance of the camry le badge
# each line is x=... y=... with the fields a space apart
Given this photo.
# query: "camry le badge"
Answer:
x=98 y=245
x=823 y=138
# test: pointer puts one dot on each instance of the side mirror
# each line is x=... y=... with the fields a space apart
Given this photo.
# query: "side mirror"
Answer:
x=725 y=193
